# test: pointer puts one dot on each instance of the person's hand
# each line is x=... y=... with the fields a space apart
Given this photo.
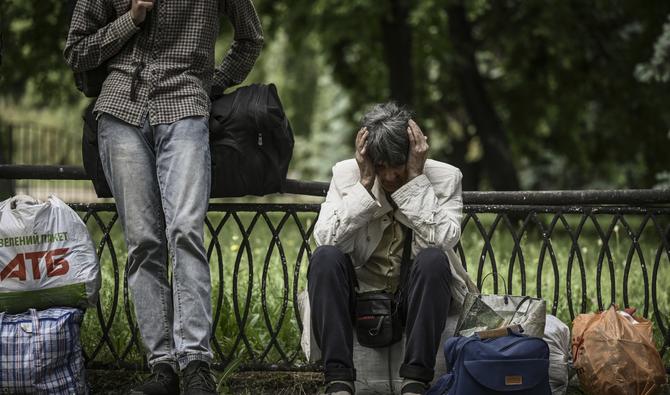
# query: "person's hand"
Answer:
x=139 y=9
x=365 y=164
x=418 y=150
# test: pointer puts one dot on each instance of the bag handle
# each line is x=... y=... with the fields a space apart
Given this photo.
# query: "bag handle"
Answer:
x=501 y=278
x=21 y=200
x=518 y=307
x=35 y=320
x=505 y=298
x=36 y=340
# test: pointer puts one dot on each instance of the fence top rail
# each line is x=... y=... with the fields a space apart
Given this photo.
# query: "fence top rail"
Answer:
x=318 y=188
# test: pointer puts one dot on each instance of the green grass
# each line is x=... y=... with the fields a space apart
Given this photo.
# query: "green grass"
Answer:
x=272 y=281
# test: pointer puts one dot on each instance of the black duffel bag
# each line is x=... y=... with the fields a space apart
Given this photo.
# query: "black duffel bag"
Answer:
x=251 y=143
x=91 y=155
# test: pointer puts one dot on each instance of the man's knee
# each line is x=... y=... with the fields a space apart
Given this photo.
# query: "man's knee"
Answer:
x=432 y=262
x=184 y=235
x=325 y=261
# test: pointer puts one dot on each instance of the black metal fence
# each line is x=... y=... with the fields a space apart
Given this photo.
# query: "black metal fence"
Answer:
x=580 y=250
x=6 y=149
x=29 y=143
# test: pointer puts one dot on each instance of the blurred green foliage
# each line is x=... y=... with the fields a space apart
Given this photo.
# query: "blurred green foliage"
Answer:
x=658 y=67
x=572 y=94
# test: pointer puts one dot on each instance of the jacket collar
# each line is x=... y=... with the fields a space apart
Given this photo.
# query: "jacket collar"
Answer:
x=385 y=206
x=380 y=196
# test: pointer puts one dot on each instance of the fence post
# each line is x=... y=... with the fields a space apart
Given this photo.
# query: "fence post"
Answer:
x=7 y=187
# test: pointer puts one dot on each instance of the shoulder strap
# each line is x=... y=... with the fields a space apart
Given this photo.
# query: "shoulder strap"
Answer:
x=405 y=264
x=406 y=256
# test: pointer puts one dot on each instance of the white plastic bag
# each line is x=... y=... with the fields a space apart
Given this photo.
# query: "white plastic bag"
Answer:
x=557 y=336
x=47 y=257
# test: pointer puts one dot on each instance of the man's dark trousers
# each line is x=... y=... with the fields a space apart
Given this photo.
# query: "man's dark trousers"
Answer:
x=331 y=287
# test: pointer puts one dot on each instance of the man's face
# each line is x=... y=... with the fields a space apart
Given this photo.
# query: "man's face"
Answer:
x=390 y=177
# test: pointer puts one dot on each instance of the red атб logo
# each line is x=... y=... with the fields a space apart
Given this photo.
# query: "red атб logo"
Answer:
x=56 y=265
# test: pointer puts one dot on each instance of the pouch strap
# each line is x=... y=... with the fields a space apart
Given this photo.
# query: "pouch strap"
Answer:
x=405 y=264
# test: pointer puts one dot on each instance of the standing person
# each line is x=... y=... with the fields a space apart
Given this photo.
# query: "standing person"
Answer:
x=373 y=203
x=154 y=145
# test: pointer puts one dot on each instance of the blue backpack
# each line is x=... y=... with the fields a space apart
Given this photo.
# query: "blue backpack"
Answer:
x=513 y=364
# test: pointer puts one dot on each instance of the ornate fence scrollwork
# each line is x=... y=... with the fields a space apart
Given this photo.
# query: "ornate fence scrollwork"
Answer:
x=579 y=258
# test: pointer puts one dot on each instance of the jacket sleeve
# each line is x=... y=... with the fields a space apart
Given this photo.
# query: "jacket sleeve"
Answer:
x=246 y=46
x=342 y=214
x=92 y=39
x=434 y=210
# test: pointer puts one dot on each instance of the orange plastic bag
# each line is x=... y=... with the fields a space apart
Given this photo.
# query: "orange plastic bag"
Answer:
x=613 y=356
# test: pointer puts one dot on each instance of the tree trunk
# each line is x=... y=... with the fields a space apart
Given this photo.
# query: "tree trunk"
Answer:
x=471 y=170
x=397 y=43
x=497 y=159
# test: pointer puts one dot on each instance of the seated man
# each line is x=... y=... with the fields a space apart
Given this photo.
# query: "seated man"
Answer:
x=389 y=191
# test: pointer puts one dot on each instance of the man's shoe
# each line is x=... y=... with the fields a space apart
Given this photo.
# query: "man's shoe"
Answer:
x=163 y=381
x=198 y=379
x=413 y=387
x=339 y=388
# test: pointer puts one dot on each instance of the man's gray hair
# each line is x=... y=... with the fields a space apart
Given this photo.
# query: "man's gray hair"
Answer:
x=387 y=140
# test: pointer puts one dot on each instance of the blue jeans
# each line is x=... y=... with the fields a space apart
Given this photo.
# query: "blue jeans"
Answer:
x=160 y=178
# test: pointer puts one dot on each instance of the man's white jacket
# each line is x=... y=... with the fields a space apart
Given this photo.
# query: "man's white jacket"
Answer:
x=431 y=204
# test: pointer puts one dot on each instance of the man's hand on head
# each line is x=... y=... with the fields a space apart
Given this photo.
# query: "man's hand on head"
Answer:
x=418 y=150
x=365 y=164
x=139 y=9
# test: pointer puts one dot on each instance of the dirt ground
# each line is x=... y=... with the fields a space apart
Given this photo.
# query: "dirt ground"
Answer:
x=246 y=383
x=243 y=383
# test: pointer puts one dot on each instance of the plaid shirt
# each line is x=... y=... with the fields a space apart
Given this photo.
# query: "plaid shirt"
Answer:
x=165 y=67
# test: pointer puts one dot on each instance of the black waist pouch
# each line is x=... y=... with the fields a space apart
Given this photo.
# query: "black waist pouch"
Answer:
x=377 y=320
